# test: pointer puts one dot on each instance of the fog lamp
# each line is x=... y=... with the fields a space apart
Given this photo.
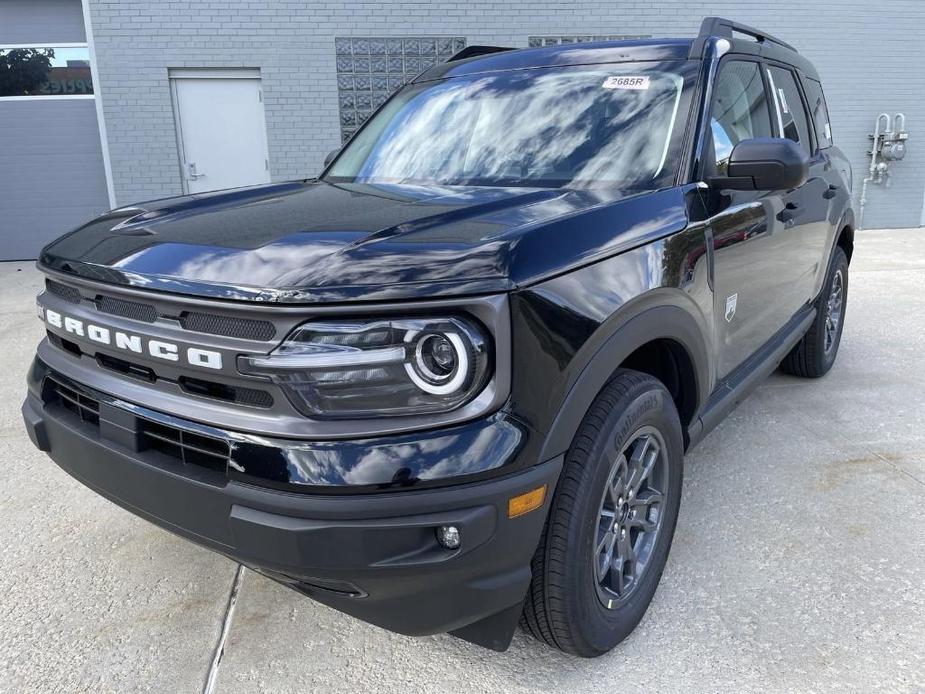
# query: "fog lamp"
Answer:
x=448 y=536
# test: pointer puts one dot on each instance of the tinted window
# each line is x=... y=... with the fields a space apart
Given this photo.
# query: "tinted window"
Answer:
x=739 y=110
x=791 y=116
x=544 y=127
x=819 y=112
x=45 y=71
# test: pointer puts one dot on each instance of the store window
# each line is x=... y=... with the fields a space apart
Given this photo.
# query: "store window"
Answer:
x=537 y=41
x=52 y=71
x=369 y=69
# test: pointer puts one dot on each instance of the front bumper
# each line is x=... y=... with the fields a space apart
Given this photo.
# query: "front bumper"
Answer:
x=374 y=556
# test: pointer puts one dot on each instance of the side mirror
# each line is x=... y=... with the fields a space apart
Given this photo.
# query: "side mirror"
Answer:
x=333 y=153
x=765 y=163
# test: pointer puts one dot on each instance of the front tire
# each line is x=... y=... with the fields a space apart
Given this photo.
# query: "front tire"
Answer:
x=815 y=354
x=611 y=522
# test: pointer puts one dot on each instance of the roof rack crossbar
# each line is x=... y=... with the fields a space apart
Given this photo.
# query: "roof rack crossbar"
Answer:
x=725 y=28
x=472 y=51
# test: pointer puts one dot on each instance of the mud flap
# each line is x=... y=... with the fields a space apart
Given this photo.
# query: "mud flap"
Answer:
x=495 y=631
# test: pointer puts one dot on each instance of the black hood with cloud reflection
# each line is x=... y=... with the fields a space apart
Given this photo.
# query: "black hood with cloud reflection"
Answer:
x=315 y=241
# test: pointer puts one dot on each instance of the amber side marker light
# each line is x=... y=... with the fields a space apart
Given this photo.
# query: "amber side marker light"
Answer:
x=526 y=502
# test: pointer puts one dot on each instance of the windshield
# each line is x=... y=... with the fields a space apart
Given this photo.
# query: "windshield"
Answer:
x=616 y=124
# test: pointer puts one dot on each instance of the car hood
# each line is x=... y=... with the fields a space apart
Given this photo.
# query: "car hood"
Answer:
x=314 y=241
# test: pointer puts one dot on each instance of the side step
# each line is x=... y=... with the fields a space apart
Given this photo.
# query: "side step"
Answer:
x=737 y=385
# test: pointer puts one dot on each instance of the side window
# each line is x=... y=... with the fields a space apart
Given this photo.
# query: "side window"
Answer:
x=819 y=112
x=739 y=110
x=791 y=116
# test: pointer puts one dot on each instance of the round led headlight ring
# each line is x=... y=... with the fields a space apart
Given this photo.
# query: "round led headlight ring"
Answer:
x=440 y=363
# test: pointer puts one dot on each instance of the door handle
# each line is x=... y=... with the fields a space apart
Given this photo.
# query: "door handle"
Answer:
x=831 y=192
x=191 y=171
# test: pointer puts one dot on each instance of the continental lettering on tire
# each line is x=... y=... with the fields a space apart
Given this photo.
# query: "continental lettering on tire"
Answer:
x=131 y=342
x=648 y=403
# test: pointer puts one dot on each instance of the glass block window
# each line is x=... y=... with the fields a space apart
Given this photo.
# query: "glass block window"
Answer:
x=537 y=41
x=370 y=68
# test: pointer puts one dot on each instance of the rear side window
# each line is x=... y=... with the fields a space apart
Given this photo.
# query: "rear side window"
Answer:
x=739 y=110
x=788 y=106
x=819 y=112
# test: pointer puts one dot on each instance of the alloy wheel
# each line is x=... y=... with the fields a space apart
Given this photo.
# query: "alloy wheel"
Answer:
x=630 y=516
x=833 y=310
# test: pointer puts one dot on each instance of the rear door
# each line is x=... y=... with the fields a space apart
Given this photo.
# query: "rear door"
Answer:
x=806 y=209
x=755 y=236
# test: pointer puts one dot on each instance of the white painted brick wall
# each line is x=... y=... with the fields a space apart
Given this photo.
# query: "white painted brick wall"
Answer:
x=871 y=56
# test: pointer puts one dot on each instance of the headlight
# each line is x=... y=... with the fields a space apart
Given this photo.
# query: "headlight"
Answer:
x=378 y=367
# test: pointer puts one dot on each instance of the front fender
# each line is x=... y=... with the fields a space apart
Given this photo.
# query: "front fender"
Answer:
x=643 y=322
x=572 y=331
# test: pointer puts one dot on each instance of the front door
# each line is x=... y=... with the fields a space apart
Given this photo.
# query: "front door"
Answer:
x=759 y=273
x=220 y=129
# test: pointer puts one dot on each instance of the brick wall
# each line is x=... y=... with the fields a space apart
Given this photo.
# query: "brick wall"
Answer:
x=871 y=57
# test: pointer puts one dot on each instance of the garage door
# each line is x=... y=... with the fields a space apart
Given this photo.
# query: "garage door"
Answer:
x=52 y=176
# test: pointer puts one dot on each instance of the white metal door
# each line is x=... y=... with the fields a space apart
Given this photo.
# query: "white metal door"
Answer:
x=221 y=129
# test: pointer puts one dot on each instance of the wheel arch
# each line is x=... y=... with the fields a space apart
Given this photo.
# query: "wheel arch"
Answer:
x=844 y=236
x=630 y=333
x=845 y=241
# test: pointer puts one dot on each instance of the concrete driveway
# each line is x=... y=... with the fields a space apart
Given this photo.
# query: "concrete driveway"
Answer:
x=798 y=565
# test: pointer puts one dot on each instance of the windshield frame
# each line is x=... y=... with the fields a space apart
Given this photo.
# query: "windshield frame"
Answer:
x=670 y=173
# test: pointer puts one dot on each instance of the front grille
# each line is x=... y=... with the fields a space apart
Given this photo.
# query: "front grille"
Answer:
x=126 y=309
x=194 y=321
x=250 y=397
x=69 y=294
x=127 y=368
x=84 y=408
x=66 y=345
x=239 y=395
x=187 y=447
x=229 y=327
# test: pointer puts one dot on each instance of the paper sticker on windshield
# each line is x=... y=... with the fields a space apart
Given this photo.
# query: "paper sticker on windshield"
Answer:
x=626 y=82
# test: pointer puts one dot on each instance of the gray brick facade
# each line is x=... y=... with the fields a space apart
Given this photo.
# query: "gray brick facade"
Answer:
x=870 y=54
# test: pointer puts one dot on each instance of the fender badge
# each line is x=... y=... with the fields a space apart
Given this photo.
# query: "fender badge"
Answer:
x=731 y=302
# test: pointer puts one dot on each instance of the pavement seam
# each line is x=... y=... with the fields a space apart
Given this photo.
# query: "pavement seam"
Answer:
x=896 y=467
x=212 y=675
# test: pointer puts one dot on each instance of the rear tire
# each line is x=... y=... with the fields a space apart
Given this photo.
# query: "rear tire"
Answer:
x=620 y=489
x=815 y=353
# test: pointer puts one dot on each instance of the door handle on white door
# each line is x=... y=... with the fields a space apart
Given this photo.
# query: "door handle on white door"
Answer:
x=191 y=171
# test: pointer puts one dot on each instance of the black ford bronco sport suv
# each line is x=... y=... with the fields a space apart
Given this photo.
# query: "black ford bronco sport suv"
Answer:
x=449 y=384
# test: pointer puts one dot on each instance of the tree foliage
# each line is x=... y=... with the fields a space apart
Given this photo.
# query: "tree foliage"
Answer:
x=24 y=70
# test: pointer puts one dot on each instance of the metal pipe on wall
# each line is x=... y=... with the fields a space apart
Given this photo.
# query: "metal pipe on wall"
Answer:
x=887 y=145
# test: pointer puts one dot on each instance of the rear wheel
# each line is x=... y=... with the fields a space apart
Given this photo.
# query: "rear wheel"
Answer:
x=815 y=354
x=611 y=522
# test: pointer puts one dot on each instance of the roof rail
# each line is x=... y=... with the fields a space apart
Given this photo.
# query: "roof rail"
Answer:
x=473 y=51
x=726 y=28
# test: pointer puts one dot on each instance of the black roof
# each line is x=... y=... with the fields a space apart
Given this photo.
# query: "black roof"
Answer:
x=741 y=37
x=565 y=54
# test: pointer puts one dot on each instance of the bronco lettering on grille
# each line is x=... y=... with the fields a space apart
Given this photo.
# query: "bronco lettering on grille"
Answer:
x=159 y=349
